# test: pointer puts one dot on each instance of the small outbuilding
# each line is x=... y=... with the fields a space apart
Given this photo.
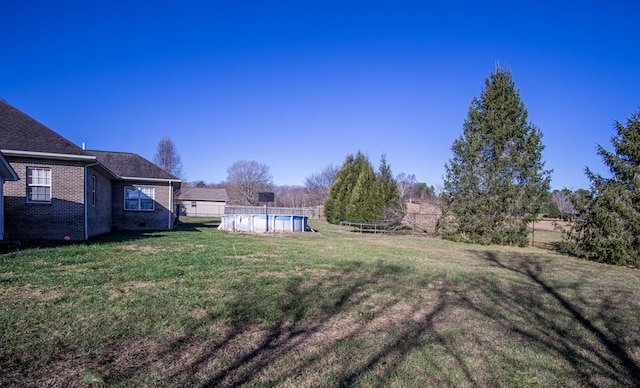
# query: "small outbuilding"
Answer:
x=202 y=201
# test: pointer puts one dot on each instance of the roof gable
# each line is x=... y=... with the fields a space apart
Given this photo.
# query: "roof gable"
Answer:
x=19 y=132
x=130 y=165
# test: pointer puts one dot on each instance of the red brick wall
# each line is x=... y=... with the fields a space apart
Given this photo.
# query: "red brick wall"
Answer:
x=157 y=219
x=64 y=216
x=99 y=217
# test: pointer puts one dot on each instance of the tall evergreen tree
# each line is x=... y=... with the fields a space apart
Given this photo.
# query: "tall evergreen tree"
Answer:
x=363 y=205
x=388 y=187
x=359 y=194
x=336 y=204
x=495 y=183
x=390 y=202
x=607 y=228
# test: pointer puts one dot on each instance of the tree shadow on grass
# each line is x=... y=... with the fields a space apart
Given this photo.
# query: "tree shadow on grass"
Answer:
x=307 y=339
x=560 y=319
x=335 y=330
x=289 y=336
x=549 y=317
x=196 y=226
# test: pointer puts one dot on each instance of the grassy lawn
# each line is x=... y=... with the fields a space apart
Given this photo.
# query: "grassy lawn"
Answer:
x=203 y=307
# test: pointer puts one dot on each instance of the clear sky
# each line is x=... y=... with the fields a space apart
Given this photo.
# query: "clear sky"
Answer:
x=298 y=85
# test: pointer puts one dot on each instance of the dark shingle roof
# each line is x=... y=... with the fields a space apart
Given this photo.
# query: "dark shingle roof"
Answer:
x=129 y=165
x=19 y=132
x=202 y=194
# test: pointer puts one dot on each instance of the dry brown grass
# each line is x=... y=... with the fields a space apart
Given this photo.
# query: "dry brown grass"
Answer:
x=157 y=249
x=328 y=309
x=551 y=224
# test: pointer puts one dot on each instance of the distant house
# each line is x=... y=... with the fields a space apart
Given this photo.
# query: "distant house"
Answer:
x=6 y=174
x=65 y=191
x=202 y=201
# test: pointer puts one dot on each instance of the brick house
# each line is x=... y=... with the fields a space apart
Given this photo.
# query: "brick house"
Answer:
x=141 y=186
x=64 y=190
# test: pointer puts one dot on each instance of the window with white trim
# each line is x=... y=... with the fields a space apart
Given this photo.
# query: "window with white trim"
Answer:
x=139 y=198
x=38 y=185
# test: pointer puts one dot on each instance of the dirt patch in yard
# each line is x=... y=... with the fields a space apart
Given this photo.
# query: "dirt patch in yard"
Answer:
x=549 y=224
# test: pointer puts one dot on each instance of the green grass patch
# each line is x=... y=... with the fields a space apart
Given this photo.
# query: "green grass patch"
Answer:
x=198 y=306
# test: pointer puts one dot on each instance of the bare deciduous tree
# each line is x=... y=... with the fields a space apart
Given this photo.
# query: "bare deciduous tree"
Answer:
x=291 y=196
x=245 y=179
x=168 y=158
x=406 y=184
x=319 y=184
x=562 y=198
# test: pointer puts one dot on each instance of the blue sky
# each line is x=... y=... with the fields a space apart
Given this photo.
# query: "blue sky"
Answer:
x=298 y=85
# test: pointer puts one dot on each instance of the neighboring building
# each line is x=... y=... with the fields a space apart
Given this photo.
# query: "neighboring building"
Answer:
x=202 y=201
x=66 y=191
x=6 y=174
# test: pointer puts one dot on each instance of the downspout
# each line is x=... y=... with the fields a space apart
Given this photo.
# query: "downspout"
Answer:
x=1 y=209
x=170 y=221
x=86 y=210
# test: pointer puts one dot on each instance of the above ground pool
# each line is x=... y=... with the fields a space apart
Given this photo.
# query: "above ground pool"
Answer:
x=260 y=223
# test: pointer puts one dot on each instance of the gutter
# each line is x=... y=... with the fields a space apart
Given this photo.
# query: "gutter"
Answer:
x=47 y=155
x=133 y=178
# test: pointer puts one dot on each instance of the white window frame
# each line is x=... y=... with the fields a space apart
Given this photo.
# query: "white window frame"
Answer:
x=40 y=180
x=139 y=198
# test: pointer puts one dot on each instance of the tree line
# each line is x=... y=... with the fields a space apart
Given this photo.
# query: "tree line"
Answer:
x=495 y=185
x=247 y=178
